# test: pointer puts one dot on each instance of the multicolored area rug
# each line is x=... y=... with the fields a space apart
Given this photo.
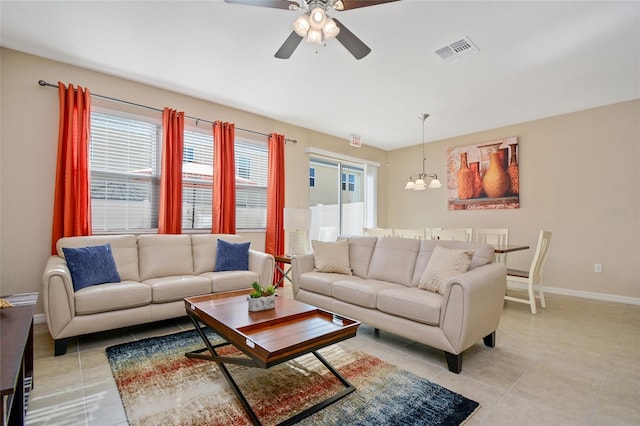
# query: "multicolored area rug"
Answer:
x=159 y=385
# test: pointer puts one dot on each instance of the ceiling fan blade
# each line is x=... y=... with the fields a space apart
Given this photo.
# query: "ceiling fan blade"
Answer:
x=276 y=4
x=352 y=43
x=287 y=48
x=354 y=4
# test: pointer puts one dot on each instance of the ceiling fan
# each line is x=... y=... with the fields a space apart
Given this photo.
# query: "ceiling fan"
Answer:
x=315 y=25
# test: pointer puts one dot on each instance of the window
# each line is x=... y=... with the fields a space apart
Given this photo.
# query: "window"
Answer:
x=197 y=178
x=244 y=167
x=123 y=159
x=348 y=182
x=312 y=176
x=251 y=184
x=125 y=164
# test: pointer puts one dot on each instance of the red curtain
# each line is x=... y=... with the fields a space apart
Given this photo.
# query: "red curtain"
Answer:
x=170 y=206
x=274 y=238
x=72 y=202
x=224 y=179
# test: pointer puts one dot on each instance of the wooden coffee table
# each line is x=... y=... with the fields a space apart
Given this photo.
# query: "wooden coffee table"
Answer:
x=268 y=338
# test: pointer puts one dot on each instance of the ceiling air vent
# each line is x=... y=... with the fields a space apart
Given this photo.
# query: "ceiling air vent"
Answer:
x=457 y=49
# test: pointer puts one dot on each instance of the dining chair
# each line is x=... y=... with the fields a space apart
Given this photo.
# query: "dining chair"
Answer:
x=418 y=234
x=533 y=277
x=428 y=233
x=378 y=232
x=449 y=234
x=495 y=237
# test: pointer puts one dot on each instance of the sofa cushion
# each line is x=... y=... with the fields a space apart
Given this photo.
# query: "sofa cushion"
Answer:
x=360 y=252
x=445 y=263
x=168 y=289
x=482 y=254
x=232 y=256
x=111 y=297
x=91 y=265
x=411 y=303
x=205 y=248
x=361 y=292
x=123 y=247
x=321 y=282
x=231 y=280
x=331 y=256
x=164 y=256
x=394 y=260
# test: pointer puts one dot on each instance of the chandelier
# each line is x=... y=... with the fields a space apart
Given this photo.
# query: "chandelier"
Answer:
x=419 y=183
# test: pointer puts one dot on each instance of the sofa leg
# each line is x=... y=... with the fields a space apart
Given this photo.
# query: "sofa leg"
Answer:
x=490 y=340
x=60 y=347
x=454 y=362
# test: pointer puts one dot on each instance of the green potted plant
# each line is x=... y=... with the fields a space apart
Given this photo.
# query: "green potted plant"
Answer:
x=261 y=298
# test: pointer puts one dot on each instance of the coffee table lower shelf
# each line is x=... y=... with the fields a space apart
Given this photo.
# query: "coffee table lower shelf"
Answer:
x=209 y=353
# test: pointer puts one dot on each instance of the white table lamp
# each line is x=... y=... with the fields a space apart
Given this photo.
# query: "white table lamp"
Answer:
x=297 y=222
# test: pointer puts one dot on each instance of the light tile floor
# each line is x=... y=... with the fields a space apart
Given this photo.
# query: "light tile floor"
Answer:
x=575 y=363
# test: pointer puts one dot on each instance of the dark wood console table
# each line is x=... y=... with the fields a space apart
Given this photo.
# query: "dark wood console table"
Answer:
x=16 y=357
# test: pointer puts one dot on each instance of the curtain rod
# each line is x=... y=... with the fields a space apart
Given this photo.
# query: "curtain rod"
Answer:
x=196 y=119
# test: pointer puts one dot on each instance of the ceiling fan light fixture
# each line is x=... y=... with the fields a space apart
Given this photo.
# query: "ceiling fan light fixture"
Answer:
x=330 y=29
x=302 y=24
x=318 y=18
x=314 y=36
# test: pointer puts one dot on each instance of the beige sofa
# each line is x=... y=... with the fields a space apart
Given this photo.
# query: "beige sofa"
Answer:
x=383 y=292
x=157 y=272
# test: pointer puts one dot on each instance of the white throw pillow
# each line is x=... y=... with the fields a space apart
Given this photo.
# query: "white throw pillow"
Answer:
x=331 y=256
x=444 y=264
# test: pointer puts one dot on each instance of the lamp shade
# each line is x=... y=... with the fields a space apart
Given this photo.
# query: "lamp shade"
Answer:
x=318 y=18
x=330 y=29
x=314 y=36
x=420 y=185
x=297 y=219
x=302 y=25
x=434 y=184
x=410 y=184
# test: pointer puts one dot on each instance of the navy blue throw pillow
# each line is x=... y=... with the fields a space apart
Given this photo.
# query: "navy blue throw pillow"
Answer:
x=91 y=265
x=232 y=256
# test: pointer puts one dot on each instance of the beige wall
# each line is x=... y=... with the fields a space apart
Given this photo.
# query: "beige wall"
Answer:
x=578 y=177
x=28 y=146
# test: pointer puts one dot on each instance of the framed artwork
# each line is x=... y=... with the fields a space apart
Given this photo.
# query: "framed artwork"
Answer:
x=484 y=175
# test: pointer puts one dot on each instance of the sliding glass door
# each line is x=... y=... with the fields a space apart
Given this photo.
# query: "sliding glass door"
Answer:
x=336 y=198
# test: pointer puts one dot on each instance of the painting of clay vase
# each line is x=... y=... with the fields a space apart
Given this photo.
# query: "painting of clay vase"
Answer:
x=485 y=155
x=464 y=179
x=496 y=181
x=514 y=171
x=478 y=191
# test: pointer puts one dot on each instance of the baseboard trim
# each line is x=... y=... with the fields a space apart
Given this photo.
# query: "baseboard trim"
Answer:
x=39 y=319
x=583 y=294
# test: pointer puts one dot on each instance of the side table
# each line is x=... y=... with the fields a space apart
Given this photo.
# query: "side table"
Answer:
x=16 y=357
x=283 y=258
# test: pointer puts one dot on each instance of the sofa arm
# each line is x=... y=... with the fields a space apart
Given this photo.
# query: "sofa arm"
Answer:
x=263 y=264
x=57 y=295
x=472 y=305
x=300 y=263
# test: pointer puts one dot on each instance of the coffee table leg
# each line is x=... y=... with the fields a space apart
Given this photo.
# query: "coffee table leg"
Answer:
x=245 y=404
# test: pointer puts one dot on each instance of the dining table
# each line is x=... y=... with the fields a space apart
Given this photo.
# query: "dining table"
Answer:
x=508 y=248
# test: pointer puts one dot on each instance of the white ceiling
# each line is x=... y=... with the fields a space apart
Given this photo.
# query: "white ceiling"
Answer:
x=536 y=59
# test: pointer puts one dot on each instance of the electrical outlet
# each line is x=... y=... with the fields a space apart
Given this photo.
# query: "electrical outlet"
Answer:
x=597 y=267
